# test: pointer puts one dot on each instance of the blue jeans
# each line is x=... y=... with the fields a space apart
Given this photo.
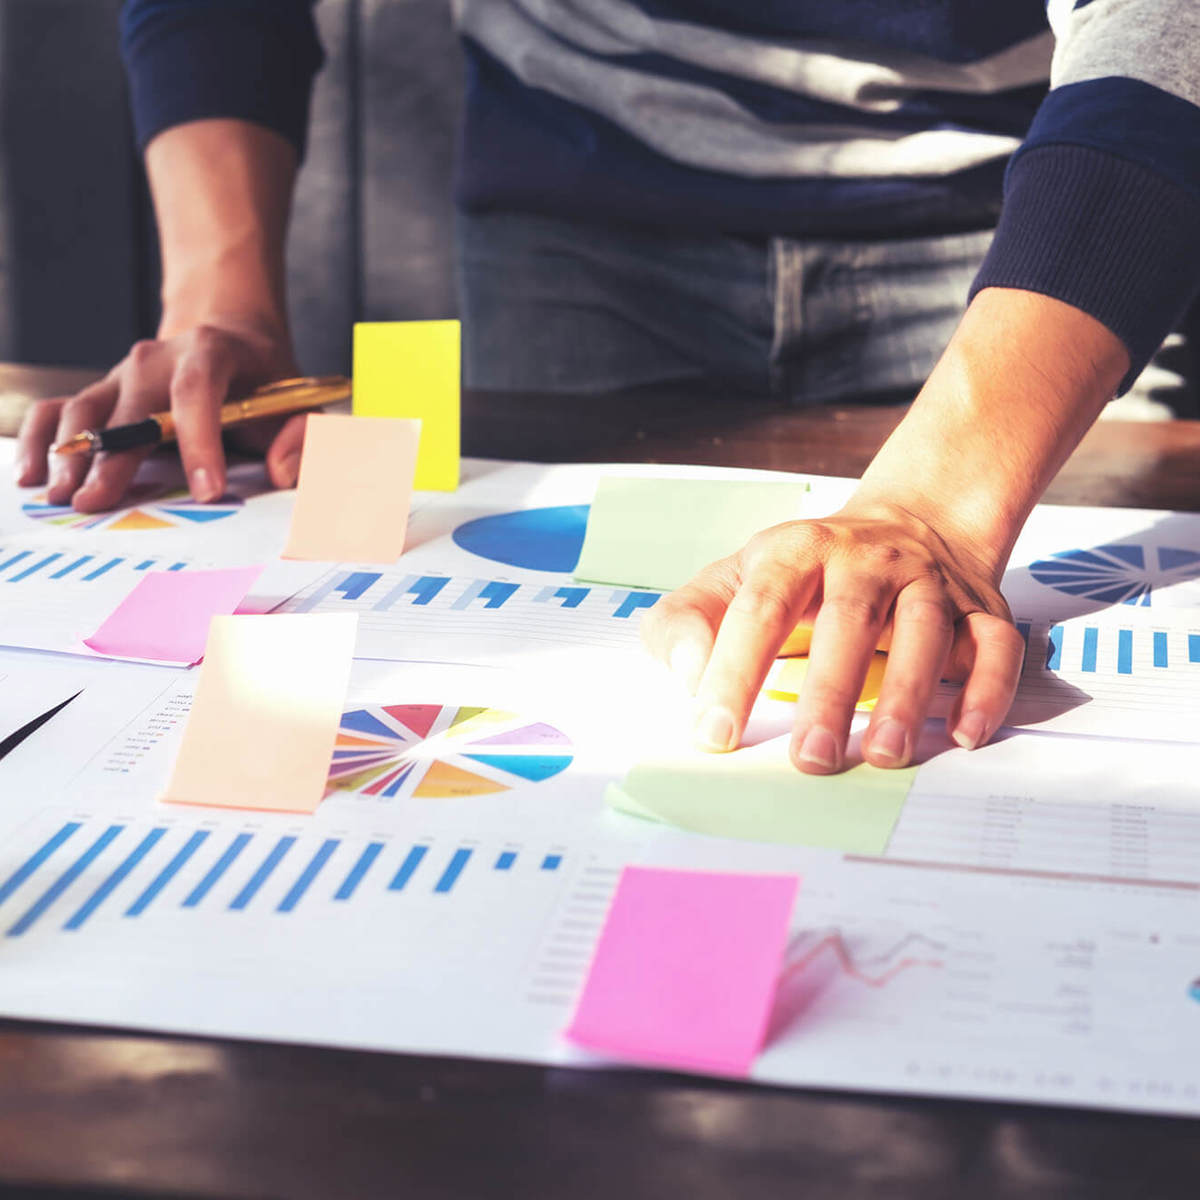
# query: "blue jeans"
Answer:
x=564 y=307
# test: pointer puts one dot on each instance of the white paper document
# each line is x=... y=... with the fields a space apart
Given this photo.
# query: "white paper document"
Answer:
x=1031 y=932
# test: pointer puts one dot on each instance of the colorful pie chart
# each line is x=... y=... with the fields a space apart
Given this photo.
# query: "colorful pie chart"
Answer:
x=152 y=507
x=442 y=752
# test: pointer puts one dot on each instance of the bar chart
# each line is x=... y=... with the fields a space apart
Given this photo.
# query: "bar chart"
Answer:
x=87 y=868
x=40 y=565
x=1111 y=675
x=409 y=614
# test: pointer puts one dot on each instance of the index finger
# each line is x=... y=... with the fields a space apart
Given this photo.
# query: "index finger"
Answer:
x=198 y=389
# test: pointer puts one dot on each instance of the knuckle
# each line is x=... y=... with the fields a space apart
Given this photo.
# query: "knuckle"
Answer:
x=208 y=339
x=927 y=611
x=764 y=602
x=855 y=609
x=142 y=354
x=828 y=696
x=190 y=377
x=813 y=539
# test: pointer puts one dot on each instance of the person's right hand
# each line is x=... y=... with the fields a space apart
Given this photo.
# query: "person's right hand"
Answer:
x=192 y=374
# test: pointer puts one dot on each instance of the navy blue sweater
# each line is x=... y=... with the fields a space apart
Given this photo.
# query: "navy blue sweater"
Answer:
x=856 y=119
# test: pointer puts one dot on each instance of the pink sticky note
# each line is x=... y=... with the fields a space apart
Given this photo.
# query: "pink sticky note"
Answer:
x=166 y=616
x=686 y=968
x=355 y=488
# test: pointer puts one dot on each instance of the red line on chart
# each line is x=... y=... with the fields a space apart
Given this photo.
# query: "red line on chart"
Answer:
x=834 y=942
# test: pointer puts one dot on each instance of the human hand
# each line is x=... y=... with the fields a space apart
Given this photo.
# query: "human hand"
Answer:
x=192 y=374
x=874 y=575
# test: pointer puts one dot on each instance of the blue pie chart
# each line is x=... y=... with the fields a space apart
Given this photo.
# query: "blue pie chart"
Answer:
x=537 y=539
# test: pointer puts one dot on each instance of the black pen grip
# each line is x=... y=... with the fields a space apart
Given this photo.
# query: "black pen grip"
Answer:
x=131 y=437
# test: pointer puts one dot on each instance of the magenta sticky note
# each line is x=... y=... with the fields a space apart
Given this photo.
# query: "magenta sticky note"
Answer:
x=686 y=968
x=166 y=616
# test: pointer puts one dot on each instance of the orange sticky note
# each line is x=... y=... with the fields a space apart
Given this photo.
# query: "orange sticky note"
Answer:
x=355 y=487
x=266 y=712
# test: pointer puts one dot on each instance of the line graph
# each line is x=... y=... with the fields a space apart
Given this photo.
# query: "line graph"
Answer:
x=871 y=970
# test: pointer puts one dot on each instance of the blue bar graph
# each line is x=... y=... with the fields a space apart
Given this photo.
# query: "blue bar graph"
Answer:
x=411 y=862
x=571 y=597
x=1160 y=649
x=1091 y=639
x=1124 y=651
x=551 y=862
x=37 y=566
x=358 y=871
x=1054 y=641
x=218 y=869
x=177 y=566
x=36 y=859
x=629 y=602
x=350 y=587
x=505 y=861
x=454 y=869
x=168 y=873
x=422 y=588
x=149 y=562
x=16 y=558
x=65 y=880
x=297 y=890
x=492 y=591
x=108 y=566
x=1193 y=647
x=106 y=889
x=357 y=583
x=263 y=873
x=79 y=562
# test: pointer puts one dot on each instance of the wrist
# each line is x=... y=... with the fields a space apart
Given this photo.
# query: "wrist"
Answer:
x=1021 y=381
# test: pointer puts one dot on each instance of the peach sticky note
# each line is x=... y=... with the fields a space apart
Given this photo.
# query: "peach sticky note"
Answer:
x=355 y=487
x=266 y=712
x=165 y=618
x=411 y=369
x=686 y=968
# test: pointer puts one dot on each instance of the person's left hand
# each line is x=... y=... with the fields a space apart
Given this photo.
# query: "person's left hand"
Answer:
x=873 y=575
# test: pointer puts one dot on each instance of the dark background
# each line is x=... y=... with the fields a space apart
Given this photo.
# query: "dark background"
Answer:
x=371 y=235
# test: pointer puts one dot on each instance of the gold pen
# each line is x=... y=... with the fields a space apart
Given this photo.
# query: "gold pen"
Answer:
x=274 y=400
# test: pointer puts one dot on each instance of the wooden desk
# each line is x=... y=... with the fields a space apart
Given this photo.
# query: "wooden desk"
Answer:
x=130 y=1114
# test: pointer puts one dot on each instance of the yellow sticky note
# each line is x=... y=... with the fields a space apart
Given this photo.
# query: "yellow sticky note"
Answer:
x=411 y=369
x=787 y=677
x=265 y=717
x=355 y=488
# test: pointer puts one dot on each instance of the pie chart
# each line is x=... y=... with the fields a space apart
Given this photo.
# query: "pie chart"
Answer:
x=1117 y=574
x=538 y=539
x=443 y=752
x=151 y=507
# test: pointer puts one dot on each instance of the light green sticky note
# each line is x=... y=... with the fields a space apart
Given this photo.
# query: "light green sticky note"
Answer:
x=755 y=794
x=657 y=533
x=411 y=369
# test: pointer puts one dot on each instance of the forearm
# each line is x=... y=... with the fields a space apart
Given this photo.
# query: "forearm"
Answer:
x=222 y=194
x=1021 y=381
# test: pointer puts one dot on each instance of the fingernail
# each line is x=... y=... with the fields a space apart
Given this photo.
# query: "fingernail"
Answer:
x=687 y=661
x=971 y=730
x=889 y=739
x=202 y=484
x=820 y=748
x=714 y=730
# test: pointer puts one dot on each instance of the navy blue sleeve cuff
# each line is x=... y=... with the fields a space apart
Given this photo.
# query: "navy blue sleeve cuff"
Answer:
x=253 y=61
x=1108 y=236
